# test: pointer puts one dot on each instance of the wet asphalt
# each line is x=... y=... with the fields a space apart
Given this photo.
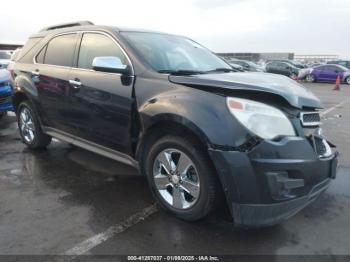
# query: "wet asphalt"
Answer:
x=53 y=200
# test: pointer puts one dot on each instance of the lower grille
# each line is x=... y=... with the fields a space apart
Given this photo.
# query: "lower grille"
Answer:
x=320 y=146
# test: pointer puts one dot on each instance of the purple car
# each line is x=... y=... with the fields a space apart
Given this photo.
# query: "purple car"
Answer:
x=328 y=73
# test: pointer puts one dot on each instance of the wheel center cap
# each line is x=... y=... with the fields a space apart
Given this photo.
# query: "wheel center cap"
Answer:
x=175 y=179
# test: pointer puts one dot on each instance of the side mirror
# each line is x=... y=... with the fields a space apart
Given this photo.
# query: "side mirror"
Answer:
x=110 y=64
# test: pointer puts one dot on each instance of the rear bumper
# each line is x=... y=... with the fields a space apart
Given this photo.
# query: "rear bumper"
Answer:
x=273 y=181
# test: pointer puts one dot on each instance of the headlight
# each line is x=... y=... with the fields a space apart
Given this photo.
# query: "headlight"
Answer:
x=265 y=121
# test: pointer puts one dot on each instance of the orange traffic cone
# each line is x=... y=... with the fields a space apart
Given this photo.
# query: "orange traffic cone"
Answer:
x=337 y=84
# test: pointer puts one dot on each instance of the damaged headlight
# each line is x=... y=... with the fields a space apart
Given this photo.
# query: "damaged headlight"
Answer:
x=263 y=120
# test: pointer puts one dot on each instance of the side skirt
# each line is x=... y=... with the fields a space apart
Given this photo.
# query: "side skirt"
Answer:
x=90 y=146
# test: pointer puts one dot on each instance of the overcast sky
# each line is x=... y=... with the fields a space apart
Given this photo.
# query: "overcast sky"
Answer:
x=299 y=26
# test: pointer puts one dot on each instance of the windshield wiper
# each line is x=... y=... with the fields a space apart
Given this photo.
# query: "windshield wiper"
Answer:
x=223 y=69
x=181 y=72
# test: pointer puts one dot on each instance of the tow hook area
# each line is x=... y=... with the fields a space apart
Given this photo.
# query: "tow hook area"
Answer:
x=280 y=184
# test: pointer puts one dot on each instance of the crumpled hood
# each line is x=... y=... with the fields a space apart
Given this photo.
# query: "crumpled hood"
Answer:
x=293 y=92
x=4 y=75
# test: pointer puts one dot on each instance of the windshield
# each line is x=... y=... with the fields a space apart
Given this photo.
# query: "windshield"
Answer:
x=4 y=55
x=169 y=53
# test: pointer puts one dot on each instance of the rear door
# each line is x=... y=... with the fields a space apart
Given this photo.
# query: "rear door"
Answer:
x=102 y=102
x=50 y=75
x=329 y=73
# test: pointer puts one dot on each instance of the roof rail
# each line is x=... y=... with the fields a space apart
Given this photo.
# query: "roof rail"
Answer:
x=53 y=27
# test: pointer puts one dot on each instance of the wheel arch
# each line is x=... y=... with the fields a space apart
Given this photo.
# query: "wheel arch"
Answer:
x=168 y=124
x=18 y=98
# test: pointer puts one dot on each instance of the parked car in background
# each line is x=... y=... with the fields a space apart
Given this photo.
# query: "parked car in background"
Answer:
x=249 y=66
x=237 y=67
x=282 y=68
x=198 y=130
x=4 y=59
x=5 y=93
x=345 y=63
x=294 y=63
x=328 y=73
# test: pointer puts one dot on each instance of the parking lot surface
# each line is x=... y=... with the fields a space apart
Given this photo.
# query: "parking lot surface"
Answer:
x=65 y=200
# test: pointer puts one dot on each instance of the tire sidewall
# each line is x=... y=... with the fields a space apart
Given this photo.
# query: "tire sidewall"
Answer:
x=20 y=108
x=347 y=80
x=202 y=171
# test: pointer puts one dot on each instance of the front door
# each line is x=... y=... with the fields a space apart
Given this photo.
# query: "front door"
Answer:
x=101 y=102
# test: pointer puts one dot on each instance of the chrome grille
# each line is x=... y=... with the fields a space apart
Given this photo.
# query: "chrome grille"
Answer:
x=310 y=119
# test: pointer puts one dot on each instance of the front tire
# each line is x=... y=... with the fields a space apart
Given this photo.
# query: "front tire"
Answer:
x=182 y=177
x=310 y=78
x=347 y=80
x=29 y=127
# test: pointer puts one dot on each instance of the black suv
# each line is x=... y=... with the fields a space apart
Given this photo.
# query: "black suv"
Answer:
x=282 y=68
x=177 y=112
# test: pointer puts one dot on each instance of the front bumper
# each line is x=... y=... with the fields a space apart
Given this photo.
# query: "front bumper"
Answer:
x=274 y=180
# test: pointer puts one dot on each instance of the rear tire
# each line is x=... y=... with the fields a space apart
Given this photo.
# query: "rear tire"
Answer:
x=188 y=189
x=29 y=127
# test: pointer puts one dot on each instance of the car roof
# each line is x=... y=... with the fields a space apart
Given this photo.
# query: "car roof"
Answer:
x=44 y=32
x=336 y=65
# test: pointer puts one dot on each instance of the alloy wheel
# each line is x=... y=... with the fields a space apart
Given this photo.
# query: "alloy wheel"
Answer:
x=26 y=125
x=348 y=80
x=176 y=178
x=310 y=78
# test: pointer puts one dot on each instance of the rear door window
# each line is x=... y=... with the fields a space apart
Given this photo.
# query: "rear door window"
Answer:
x=60 y=50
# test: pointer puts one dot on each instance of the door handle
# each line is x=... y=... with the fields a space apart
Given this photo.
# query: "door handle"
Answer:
x=75 y=83
x=35 y=73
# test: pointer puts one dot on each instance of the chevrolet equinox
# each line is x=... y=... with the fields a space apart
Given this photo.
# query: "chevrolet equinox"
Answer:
x=202 y=133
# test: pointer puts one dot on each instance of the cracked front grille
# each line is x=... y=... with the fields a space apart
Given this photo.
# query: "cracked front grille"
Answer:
x=320 y=146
